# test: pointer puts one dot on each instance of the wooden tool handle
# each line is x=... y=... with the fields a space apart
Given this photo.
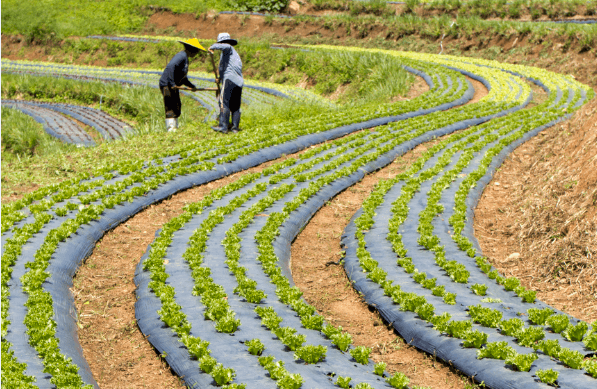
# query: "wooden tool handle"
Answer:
x=213 y=63
x=198 y=89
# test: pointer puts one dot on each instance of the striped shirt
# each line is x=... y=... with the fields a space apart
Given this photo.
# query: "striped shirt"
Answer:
x=231 y=67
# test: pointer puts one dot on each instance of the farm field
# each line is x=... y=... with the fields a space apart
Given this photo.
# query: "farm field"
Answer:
x=388 y=217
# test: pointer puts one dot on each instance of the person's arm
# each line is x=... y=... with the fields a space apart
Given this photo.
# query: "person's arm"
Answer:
x=187 y=82
x=168 y=74
x=180 y=73
x=226 y=50
x=223 y=47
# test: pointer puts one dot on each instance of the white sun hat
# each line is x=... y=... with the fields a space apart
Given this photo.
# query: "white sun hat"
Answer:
x=224 y=37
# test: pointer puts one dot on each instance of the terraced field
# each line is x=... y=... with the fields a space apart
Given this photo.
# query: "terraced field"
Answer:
x=215 y=292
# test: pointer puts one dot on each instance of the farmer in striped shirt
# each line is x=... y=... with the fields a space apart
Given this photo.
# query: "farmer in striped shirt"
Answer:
x=231 y=75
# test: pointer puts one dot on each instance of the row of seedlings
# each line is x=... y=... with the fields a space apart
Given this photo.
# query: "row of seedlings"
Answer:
x=141 y=191
x=401 y=226
x=246 y=287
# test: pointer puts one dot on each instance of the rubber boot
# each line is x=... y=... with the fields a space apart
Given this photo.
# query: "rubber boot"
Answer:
x=171 y=124
x=236 y=122
x=217 y=127
x=223 y=121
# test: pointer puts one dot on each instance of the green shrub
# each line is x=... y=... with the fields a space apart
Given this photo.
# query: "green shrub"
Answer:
x=260 y=5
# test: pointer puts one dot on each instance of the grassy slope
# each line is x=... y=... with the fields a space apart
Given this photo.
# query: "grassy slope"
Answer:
x=142 y=107
x=22 y=136
x=62 y=18
x=503 y=9
x=470 y=36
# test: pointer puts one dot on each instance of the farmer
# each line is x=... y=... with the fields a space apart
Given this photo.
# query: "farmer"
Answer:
x=173 y=77
x=231 y=75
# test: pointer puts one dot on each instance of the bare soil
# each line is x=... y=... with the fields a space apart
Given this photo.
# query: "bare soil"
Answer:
x=539 y=223
x=104 y=290
x=328 y=289
x=537 y=220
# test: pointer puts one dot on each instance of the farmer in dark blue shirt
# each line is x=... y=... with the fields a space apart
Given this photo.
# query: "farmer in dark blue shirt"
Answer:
x=231 y=75
x=173 y=77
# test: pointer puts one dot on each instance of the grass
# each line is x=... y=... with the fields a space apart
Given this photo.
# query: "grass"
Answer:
x=140 y=106
x=67 y=18
x=23 y=137
x=62 y=18
x=31 y=156
x=50 y=162
x=362 y=78
x=369 y=76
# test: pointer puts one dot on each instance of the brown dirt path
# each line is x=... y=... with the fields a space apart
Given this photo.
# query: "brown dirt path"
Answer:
x=329 y=290
x=117 y=352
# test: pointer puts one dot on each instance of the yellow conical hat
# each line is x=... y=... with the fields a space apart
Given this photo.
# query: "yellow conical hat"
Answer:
x=193 y=42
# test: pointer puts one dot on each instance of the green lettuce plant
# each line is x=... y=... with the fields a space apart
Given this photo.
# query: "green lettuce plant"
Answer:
x=311 y=354
x=361 y=354
x=398 y=380
x=548 y=376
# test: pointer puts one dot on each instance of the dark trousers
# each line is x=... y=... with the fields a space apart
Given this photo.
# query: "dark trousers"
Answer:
x=172 y=102
x=230 y=99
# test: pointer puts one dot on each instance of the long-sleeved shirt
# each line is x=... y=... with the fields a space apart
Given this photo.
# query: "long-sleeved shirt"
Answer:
x=176 y=71
x=231 y=67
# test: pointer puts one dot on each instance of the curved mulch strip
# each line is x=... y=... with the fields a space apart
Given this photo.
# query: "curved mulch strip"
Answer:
x=117 y=352
x=120 y=356
x=537 y=220
x=315 y=270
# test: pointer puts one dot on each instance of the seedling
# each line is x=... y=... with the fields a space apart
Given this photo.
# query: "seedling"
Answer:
x=343 y=382
x=548 y=376
x=398 y=380
x=255 y=346
x=539 y=316
x=522 y=362
x=361 y=354
x=479 y=289
x=311 y=354
x=379 y=368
